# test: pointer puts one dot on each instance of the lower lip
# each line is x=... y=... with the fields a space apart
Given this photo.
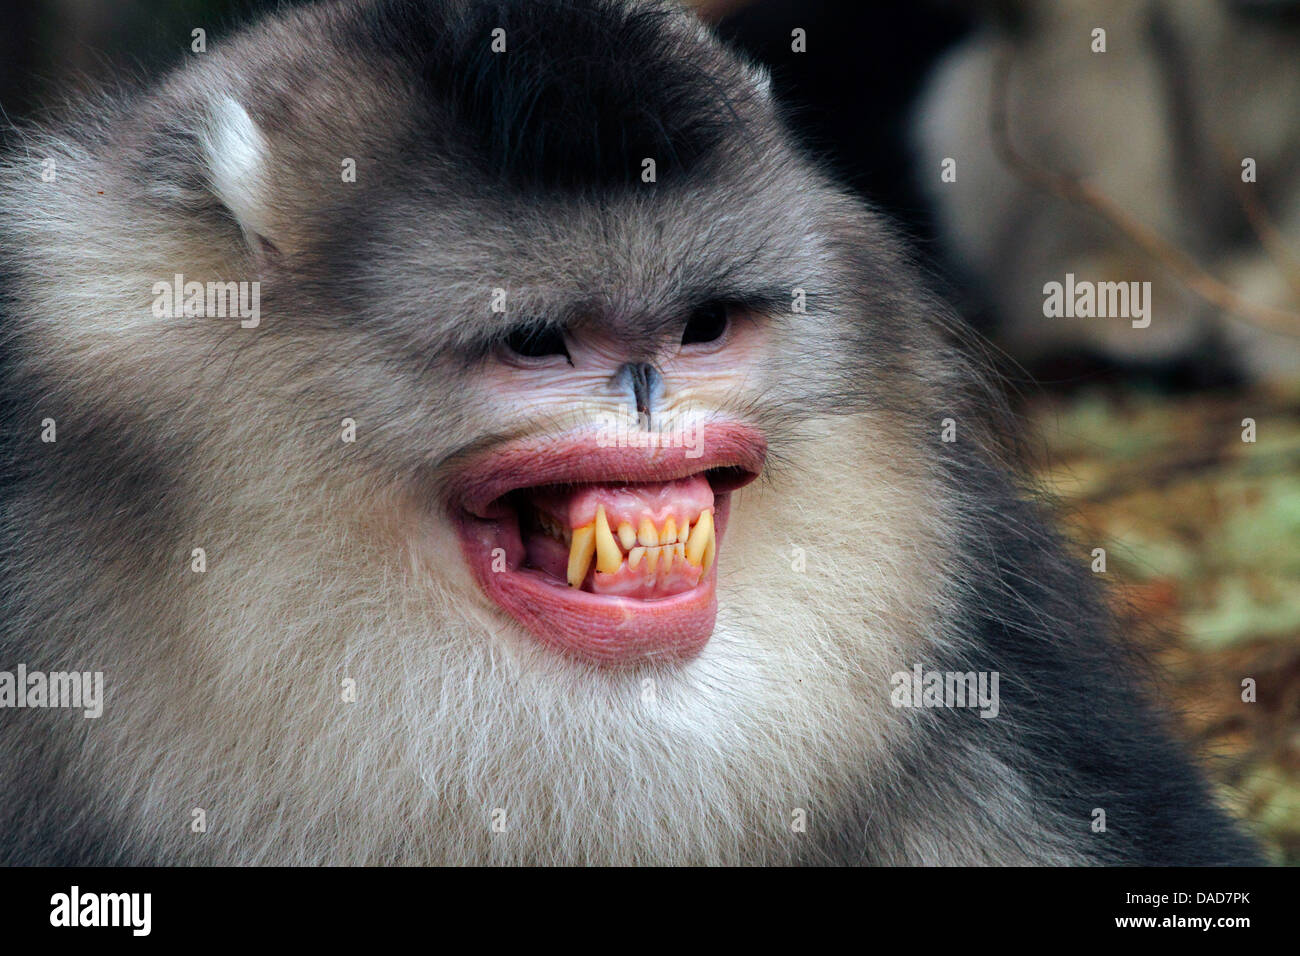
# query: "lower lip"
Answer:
x=602 y=629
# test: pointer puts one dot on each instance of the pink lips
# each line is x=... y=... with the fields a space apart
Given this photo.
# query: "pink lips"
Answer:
x=602 y=628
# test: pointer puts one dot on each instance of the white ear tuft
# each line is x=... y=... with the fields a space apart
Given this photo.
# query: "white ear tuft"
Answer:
x=237 y=158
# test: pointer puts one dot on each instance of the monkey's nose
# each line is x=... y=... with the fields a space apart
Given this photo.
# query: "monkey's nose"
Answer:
x=642 y=382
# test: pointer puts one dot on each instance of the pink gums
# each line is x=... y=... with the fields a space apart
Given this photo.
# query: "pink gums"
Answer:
x=682 y=500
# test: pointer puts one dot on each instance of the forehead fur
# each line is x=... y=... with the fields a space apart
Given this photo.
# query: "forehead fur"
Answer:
x=561 y=92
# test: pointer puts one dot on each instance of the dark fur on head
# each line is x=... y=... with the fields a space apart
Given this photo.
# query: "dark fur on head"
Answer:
x=584 y=92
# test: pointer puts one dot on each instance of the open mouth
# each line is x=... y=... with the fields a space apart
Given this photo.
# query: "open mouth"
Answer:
x=610 y=554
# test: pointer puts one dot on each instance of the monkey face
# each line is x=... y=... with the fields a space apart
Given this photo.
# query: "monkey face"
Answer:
x=602 y=538
x=606 y=366
x=593 y=510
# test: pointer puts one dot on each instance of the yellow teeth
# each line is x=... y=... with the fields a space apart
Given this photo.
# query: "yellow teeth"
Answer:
x=581 y=551
x=608 y=554
x=660 y=549
x=700 y=539
x=627 y=536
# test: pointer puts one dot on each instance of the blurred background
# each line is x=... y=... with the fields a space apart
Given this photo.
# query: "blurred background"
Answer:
x=1015 y=143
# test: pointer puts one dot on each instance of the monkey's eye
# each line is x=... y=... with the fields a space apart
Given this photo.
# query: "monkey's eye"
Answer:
x=707 y=323
x=536 y=341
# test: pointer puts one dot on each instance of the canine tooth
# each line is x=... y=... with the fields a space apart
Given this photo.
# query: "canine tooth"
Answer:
x=699 y=539
x=608 y=555
x=634 y=557
x=627 y=536
x=581 y=552
x=669 y=533
x=711 y=549
x=646 y=534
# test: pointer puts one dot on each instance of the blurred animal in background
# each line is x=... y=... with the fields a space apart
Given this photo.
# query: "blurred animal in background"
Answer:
x=1181 y=117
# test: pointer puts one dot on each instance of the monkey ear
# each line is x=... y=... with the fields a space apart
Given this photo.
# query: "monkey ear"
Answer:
x=238 y=169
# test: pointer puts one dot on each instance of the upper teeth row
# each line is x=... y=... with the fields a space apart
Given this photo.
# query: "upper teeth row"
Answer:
x=648 y=536
x=595 y=540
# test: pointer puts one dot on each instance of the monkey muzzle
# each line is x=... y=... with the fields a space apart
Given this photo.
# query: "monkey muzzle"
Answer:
x=610 y=554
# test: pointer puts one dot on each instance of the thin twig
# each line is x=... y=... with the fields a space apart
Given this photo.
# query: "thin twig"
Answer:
x=1270 y=237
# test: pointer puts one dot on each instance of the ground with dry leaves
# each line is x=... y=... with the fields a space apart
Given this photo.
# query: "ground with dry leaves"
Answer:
x=1202 y=537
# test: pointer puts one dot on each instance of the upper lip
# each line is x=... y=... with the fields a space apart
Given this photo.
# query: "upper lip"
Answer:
x=577 y=458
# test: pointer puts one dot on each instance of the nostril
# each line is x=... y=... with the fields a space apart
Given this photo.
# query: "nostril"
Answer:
x=642 y=380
